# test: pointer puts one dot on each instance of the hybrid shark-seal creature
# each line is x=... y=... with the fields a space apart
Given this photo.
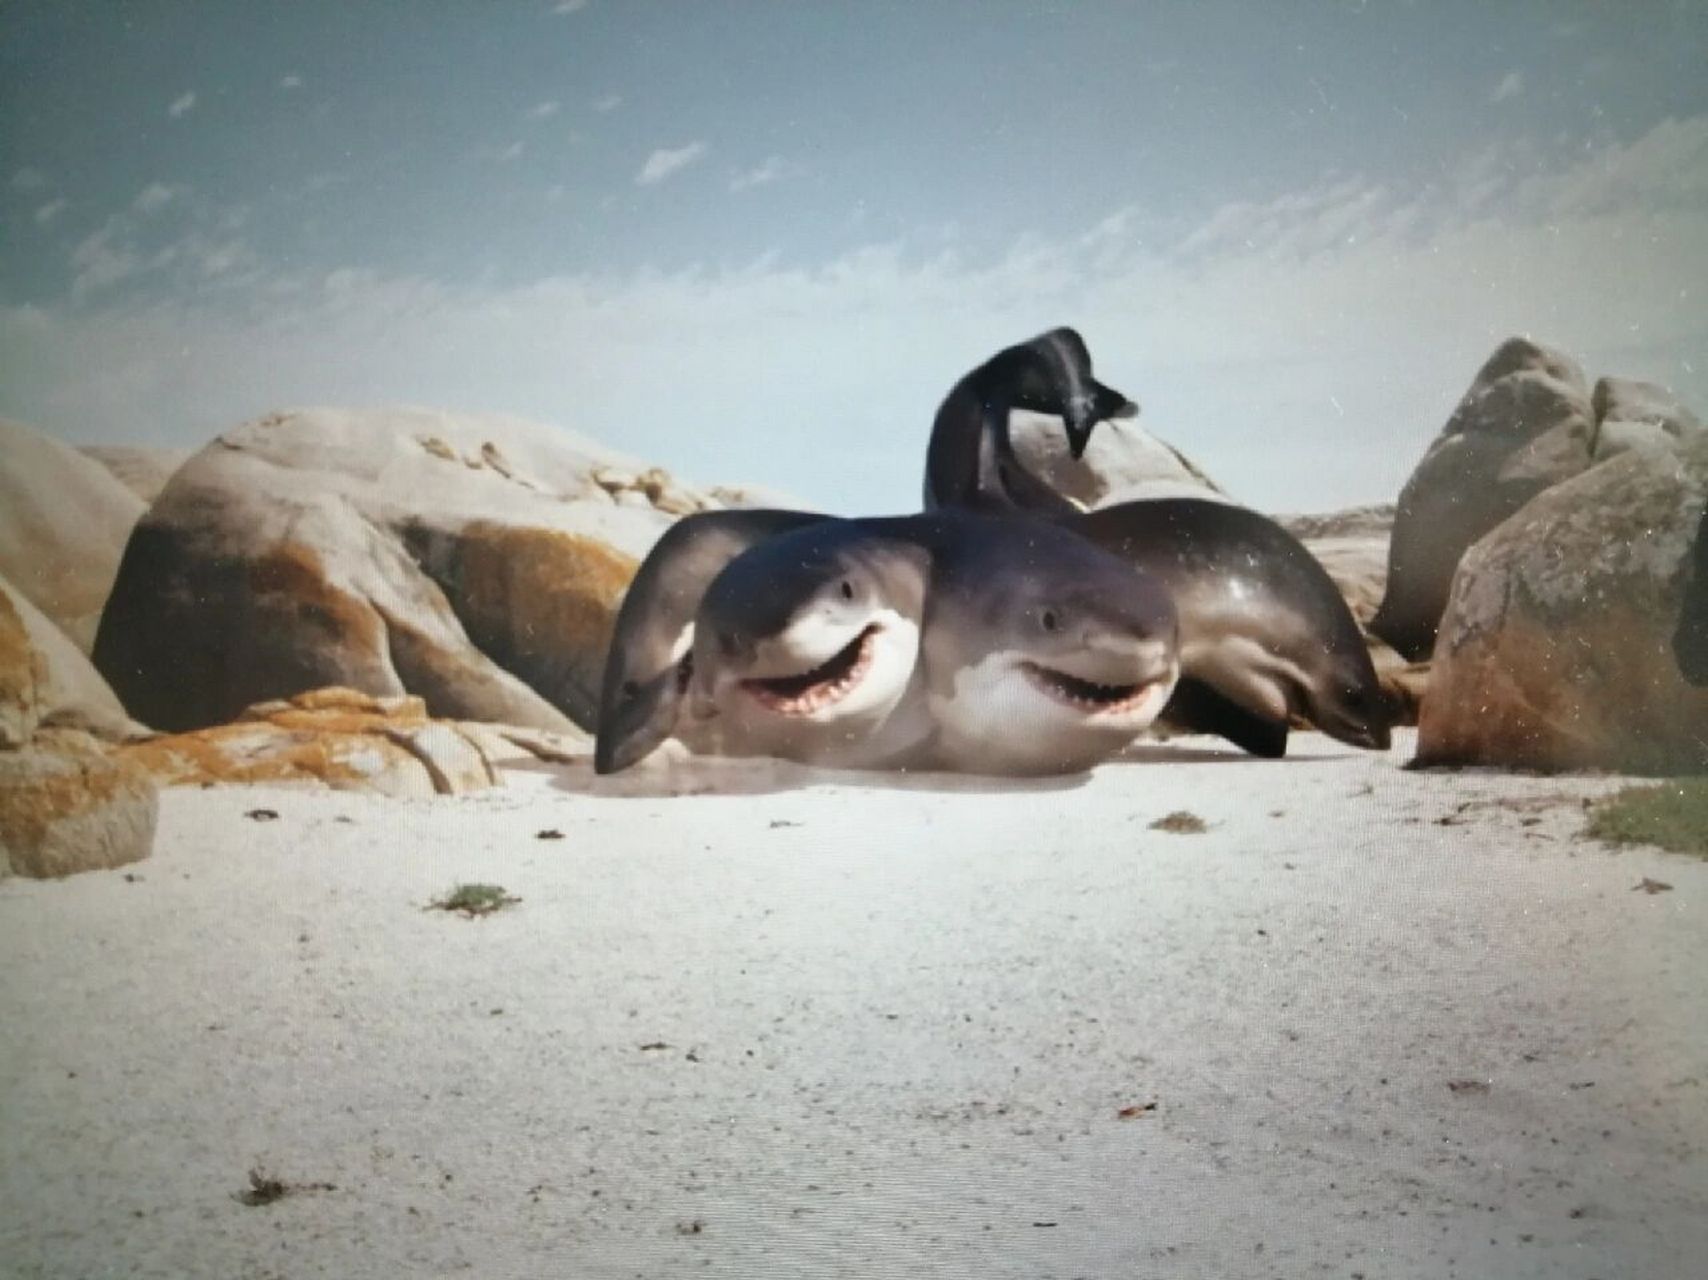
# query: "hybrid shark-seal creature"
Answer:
x=648 y=667
x=943 y=641
x=1264 y=633
x=648 y=663
x=947 y=641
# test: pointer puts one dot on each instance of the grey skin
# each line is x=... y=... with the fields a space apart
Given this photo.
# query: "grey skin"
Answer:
x=943 y=641
x=646 y=669
x=1264 y=633
x=970 y=462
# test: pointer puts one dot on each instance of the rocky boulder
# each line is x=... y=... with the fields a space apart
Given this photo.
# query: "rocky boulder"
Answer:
x=473 y=560
x=336 y=738
x=63 y=525
x=1630 y=413
x=1526 y=424
x=46 y=681
x=68 y=805
x=1122 y=463
x=1353 y=547
x=143 y=471
x=1373 y=522
x=1558 y=646
x=64 y=805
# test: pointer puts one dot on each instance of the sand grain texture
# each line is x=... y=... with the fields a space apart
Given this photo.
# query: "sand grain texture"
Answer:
x=862 y=1027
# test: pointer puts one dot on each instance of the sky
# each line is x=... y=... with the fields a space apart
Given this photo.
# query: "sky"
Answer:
x=758 y=240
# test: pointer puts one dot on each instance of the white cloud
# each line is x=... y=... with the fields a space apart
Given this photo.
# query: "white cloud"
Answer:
x=569 y=6
x=197 y=250
x=1240 y=337
x=542 y=110
x=512 y=152
x=218 y=259
x=182 y=103
x=102 y=259
x=48 y=212
x=28 y=179
x=610 y=102
x=666 y=161
x=768 y=172
x=1510 y=86
x=152 y=198
x=290 y=81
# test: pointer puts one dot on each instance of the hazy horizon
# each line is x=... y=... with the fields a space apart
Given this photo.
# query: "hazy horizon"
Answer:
x=757 y=242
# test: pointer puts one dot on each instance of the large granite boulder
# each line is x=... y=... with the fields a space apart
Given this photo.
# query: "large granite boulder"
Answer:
x=67 y=804
x=46 y=681
x=1629 y=413
x=63 y=525
x=1374 y=521
x=1526 y=424
x=1122 y=463
x=1558 y=647
x=1353 y=546
x=143 y=471
x=474 y=560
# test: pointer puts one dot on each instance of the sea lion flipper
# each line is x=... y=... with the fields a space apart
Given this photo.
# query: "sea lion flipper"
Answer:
x=1198 y=708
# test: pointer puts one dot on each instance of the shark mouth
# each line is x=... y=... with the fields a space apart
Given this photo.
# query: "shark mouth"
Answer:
x=1087 y=695
x=823 y=686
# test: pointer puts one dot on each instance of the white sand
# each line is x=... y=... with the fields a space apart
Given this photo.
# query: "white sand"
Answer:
x=901 y=1023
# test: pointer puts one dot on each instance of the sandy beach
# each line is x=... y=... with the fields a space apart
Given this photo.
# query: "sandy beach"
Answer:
x=1367 y=1023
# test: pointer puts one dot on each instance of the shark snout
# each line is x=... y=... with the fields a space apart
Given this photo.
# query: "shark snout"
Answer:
x=1112 y=657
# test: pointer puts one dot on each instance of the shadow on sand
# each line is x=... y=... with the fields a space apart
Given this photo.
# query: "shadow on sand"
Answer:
x=677 y=773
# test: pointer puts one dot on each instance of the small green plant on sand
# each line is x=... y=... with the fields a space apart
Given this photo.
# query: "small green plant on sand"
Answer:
x=474 y=899
x=1673 y=815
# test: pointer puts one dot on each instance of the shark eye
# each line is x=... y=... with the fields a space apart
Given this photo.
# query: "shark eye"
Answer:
x=631 y=688
x=847 y=589
x=1048 y=620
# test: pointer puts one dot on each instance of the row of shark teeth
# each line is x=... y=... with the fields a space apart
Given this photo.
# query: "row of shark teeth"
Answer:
x=1086 y=695
x=823 y=686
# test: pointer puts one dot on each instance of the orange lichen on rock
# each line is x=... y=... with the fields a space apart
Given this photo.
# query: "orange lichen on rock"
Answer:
x=335 y=737
x=1599 y=695
x=293 y=574
x=541 y=602
x=68 y=805
x=20 y=674
x=1556 y=649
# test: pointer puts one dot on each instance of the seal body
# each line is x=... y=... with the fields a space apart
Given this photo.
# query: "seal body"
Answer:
x=1265 y=636
x=949 y=641
x=970 y=461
